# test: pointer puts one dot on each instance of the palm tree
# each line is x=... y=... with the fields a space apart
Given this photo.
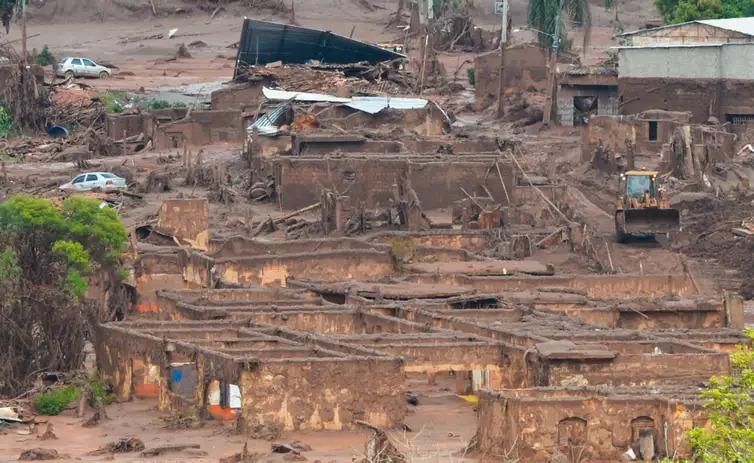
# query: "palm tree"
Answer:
x=547 y=17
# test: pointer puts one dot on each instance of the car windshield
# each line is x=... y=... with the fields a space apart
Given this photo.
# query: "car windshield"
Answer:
x=108 y=175
x=638 y=185
x=62 y=60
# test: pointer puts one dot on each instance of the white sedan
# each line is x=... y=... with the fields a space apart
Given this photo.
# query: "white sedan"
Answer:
x=89 y=181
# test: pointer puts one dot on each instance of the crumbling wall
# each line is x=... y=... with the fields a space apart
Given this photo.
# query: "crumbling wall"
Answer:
x=557 y=424
x=651 y=133
x=525 y=70
x=600 y=286
x=428 y=121
x=371 y=180
x=236 y=96
x=323 y=266
x=154 y=272
x=187 y=220
x=703 y=98
x=242 y=246
x=316 y=395
x=607 y=101
x=201 y=128
x=636 y=370
x=468 y=240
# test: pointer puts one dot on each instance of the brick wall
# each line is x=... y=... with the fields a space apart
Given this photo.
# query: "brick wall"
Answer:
x=203 y=128
x=324 y=395
x=371 y=180
x=692 y=95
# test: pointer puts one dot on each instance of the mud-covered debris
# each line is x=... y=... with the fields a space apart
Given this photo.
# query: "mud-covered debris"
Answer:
x=157 y=182
x=176 y=421
x=168 y=449
x=182 y=52
x=123 y=445
x=40 y=454
x=244 y=456
x=266 y=432
x=294 y=448
x=49 y=434
x=379 y=449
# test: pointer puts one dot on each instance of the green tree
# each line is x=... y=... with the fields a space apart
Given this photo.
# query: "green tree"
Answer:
x=46 y=253
x=679 y=11
x=730 y=401
x=7 y=8
x=548 y=17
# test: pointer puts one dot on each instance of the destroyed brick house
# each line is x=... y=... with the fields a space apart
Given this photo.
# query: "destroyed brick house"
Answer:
x=585 y=92
x=655 y=136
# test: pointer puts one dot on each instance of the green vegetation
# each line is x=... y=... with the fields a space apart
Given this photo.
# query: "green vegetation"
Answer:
x=730 y=436
x=100 y=390
x=548 y=17
x=471 y=74
x=162 y=104
x=53 y=402
x=6 y=121
x=678 y=11
x=117 y=101
x=113 y=101
x=45 y=57
x=78 y=234
x=47 y=252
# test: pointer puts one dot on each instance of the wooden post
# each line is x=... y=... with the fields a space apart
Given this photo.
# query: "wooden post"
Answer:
x=501 y=76
x=23 y=31
x=550 y=104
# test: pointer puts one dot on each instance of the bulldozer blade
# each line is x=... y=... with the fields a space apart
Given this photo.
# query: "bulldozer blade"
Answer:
x=652 y=220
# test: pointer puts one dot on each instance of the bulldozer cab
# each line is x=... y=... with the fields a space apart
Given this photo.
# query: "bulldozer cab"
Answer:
x=639 y=185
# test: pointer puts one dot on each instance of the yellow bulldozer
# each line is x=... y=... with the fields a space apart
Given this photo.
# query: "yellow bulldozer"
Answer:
x=642 y=209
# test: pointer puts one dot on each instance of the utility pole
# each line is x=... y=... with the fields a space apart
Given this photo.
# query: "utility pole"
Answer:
x=501 y=76
x=23 y=30
x=551 y=101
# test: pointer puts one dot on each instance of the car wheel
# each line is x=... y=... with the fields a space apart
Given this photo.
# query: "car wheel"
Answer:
x=69 y=74
x=104 y=75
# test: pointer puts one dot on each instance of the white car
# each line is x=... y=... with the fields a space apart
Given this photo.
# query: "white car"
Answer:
x=81 y=67
x=104 y=180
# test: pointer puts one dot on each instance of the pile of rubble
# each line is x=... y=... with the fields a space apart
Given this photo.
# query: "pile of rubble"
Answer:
x=359 y=78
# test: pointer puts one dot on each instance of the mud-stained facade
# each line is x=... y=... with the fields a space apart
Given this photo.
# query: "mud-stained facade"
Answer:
x=598 y=424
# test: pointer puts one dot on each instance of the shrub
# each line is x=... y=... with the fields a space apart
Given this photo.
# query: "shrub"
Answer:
x=53 y=402
x=6 y=121
x=45 y=57
x=113 y=101
x=101 y=390
x=471 y=74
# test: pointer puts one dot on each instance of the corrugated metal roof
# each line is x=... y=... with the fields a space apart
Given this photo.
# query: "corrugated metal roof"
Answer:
x=368 y=104
x=267 y=125
x=741 y=25
x=375 y=104
x=282 y=95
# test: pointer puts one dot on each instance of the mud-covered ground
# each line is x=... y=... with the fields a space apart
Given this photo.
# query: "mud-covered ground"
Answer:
x=441 y=427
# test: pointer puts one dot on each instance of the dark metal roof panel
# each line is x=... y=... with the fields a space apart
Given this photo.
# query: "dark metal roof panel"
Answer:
x=264 y=42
